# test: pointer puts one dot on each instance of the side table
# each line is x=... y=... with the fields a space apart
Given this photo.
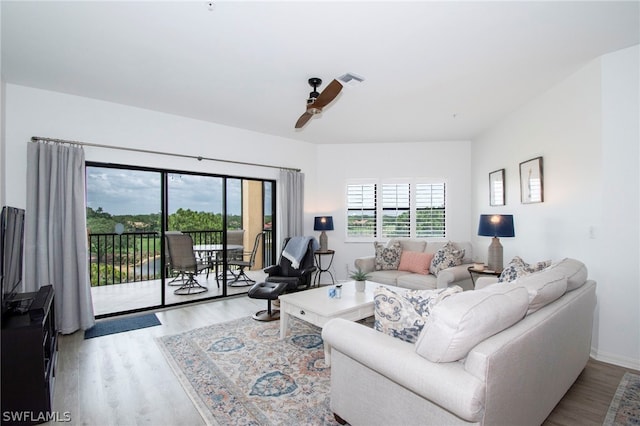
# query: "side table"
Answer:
x=319 y=255
x=475 y=273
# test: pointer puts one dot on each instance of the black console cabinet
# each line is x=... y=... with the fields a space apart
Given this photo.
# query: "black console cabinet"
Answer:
x=29 y=352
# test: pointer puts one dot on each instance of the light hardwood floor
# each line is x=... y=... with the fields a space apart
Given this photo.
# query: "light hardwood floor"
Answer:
x=123 y=379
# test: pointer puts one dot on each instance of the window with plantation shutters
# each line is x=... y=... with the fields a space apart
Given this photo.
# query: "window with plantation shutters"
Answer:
x=398 y=208
x=361 y=210
x=396 y=214
x=430 y=210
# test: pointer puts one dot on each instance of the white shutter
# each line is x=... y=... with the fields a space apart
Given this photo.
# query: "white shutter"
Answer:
x=361 y=210
x=396 y=214
x=430 y=210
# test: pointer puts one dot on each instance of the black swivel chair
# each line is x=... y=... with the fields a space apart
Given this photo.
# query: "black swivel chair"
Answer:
x=296 y=279
x=283 y=278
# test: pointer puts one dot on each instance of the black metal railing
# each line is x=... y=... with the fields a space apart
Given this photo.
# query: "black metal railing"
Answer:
x=136 y=256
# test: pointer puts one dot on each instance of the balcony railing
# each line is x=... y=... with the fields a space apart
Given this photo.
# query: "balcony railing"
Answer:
x=136 y=256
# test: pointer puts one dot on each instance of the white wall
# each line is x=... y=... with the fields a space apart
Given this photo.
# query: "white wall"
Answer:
x=619 y=332
x=33 y=112
x=338 y=163
x=586 y=130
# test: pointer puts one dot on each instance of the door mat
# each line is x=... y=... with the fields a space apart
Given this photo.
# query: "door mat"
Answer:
x=120 y=325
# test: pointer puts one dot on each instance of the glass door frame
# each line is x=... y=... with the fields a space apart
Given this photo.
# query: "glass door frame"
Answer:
x=164 y=173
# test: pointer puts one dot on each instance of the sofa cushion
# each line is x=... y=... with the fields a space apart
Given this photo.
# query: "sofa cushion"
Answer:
x=459 y=323
x=409 y=244
x=402 y=313
x=575 y=271
x=543 y=287
x=414 y=261
x=446 y=257
x=417 y=281
x=390 y=277
x=387 y=258
x=518 y=268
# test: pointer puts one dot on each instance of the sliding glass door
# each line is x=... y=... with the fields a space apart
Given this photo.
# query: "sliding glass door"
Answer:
x=131 y=210
x=124 y=220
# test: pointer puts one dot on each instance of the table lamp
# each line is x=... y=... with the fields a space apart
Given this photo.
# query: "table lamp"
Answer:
x=323 y=223
x=495 y=225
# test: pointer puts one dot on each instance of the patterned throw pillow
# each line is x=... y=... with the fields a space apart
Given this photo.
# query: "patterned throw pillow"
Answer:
x=446 y=257
x=519 y=268
x=402 y=313
x=387 y=258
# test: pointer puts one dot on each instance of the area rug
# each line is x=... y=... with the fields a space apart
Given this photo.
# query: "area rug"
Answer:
x=241 y=373
x=625 y=406
x=119 y=325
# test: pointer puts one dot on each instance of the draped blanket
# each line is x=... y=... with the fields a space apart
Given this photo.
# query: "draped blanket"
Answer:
x=296 y=248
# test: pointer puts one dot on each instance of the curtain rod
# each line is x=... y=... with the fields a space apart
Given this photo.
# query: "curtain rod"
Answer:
x=147 y=151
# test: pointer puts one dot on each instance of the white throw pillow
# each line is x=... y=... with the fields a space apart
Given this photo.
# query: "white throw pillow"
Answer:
x=543 y=287
x=461 y=321
x=575 y=271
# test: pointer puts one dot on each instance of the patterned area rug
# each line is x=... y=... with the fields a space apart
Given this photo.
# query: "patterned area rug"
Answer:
x=625 y=406
x=240 y=373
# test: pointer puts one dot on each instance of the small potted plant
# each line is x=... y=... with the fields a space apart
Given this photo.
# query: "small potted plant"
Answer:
x=360 y=278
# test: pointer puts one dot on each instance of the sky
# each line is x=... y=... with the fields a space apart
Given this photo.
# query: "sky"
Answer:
x=122 y=191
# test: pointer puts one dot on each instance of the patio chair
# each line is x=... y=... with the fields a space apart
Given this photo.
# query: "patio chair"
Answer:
x=237 y=267
x=178 y=278
x=235 y=237
x=183 y=260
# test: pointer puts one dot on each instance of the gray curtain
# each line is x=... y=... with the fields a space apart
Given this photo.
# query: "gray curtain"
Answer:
x=292 y=208
x=56 y=231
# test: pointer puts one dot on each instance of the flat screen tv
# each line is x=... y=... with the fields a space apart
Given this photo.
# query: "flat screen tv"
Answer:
x=11 y=252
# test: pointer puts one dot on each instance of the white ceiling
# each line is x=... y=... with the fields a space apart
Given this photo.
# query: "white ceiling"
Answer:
x=433 y=70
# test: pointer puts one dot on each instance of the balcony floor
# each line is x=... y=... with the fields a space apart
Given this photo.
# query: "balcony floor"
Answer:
x=145 y=294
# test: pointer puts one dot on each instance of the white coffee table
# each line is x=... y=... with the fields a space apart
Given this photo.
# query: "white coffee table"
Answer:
x=315 y=306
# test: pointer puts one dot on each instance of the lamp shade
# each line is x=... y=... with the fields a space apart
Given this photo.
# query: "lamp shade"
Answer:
x=496 y=225
x=323 y=223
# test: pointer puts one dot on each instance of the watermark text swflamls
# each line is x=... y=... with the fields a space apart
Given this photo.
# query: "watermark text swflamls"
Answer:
x=35 y=417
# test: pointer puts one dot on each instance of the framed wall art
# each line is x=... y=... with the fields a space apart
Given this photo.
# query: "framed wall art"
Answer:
x=496 y=188
x=531 y=181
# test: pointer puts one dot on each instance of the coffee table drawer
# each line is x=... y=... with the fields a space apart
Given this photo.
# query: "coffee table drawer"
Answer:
x=302 y=313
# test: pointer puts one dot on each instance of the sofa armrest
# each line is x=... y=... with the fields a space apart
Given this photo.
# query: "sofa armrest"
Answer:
x=445 y=384
x=482 y=282
x=365 y=264
x=449 y=276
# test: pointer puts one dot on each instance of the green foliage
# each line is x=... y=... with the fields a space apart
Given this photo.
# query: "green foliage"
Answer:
x=106 y=275
x=358 y=275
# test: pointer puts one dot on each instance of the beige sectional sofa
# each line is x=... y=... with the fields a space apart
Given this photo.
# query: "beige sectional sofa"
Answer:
x=457 y=275
x=454 y=373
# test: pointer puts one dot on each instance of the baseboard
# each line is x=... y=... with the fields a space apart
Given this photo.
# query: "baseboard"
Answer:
x=615 y=359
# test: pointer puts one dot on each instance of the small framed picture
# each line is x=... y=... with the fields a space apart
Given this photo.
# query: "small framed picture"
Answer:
x=531 y=181
x=496 y=188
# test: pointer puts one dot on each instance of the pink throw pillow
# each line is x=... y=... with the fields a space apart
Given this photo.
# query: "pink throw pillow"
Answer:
x=413 y=261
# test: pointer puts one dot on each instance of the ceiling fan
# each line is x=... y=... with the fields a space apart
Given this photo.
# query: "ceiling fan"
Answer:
x=317 y=101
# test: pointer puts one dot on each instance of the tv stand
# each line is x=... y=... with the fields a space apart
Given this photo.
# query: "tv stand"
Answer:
x=20 y=306
x=29 y=355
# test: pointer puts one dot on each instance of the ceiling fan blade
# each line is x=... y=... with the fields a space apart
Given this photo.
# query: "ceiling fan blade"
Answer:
x=328 y=94
x=303 y=119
